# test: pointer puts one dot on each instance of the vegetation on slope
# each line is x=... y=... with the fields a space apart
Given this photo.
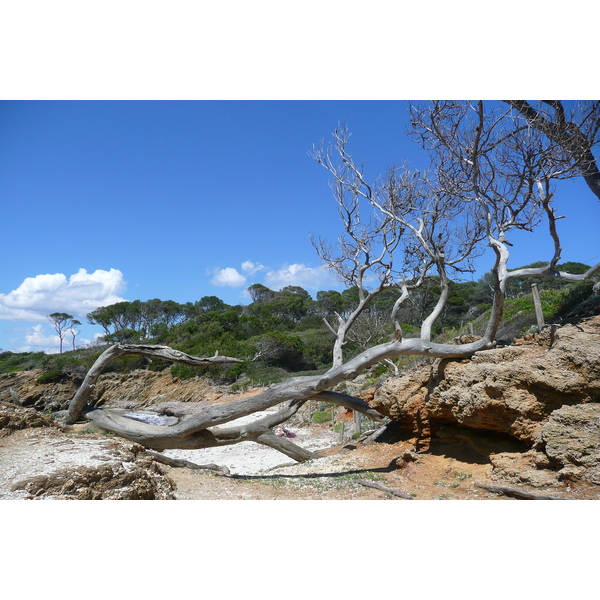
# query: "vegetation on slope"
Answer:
x=283 y=332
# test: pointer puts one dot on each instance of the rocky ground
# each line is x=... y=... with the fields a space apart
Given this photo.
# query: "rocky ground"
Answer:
x=43 y=461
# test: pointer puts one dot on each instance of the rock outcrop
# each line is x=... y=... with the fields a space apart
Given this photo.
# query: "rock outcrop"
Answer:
x=542 y=391
x=143 y=480
x=139 y=389
x=41 y=396
x=39 y=460
x=14 y=418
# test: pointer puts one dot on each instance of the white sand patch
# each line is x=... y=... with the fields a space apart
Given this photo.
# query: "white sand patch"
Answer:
x=250 y=458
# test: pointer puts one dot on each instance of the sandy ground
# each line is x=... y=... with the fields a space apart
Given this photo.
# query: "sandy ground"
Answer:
x=249 y=458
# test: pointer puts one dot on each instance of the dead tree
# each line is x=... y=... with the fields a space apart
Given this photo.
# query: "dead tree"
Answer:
x=413 y=232
x=487 y=158
x=194 y=432
x=489 y=177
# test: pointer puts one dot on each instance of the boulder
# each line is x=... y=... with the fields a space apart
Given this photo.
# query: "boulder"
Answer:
x=512 y=390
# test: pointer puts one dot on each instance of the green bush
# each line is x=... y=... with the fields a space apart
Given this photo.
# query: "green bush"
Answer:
x=322 y=416
x=186 y=371
x=52 y=376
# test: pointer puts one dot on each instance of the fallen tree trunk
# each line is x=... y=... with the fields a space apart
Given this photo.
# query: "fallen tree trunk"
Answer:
x=201 y=430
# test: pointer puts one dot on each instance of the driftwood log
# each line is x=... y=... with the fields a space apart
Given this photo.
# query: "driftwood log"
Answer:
x=207 y=428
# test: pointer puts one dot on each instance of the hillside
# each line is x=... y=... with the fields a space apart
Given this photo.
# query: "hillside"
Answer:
x=283 y=333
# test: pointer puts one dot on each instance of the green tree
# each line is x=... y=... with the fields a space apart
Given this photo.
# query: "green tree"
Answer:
x=73 y=330
x=260 y=293
x=329 y=302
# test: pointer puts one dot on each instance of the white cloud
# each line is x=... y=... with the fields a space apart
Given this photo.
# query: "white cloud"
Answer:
x=78 y=295
x=313 y=278
x=228 y=277
x=36 y=340
x=251 y=268
x=316 y=278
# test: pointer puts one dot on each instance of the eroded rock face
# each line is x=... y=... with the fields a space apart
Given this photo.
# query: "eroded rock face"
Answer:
x=146 y=388
x=512 y=390
x=42 y=396
x=571 y=440
x=543 y=391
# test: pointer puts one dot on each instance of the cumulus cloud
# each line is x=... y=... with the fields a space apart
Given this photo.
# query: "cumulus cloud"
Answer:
x=228 y=277
x=316 y=278
x=78 y=294
x=251 y=268
x=310 y=278
x=36 y=340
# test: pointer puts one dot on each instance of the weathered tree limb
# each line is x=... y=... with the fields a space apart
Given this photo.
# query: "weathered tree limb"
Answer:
x=383 y=488
x=151 y=436
x=193 y=432
x=284 y=445
x=180 y=462
x=374 y=435
x=516 y=493
x=80 y=400
x=349 y=402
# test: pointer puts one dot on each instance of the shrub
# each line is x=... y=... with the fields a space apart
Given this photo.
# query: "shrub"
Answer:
x=186 y=371
x=281 y=350
x=52 y=376
x=322 y=416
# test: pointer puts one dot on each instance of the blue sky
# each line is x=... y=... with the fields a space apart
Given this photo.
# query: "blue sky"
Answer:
x=103 y=201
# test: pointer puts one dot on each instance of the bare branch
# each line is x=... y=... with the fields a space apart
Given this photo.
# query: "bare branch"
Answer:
x=575 y=139
x=81 y=398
